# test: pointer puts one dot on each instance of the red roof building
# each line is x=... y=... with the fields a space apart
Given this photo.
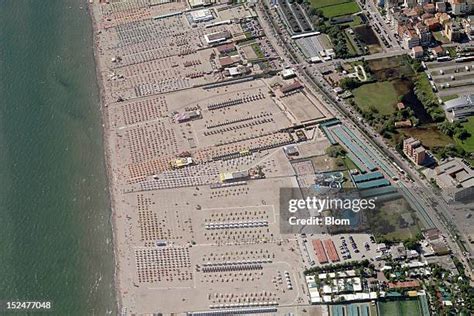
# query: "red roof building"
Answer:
x=291 y=87
x=226 y=48
x=319 y=251
x=331 y=250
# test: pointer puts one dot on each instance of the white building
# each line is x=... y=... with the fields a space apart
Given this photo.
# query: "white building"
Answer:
x=200 y=3
x=459 y=108
x=202 y=15
x=288 y=73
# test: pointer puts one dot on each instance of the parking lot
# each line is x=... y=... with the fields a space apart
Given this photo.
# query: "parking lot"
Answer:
x=452 y=78
x=313 y=45
x=350 y=247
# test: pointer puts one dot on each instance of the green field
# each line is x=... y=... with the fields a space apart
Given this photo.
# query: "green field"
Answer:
x=468 y=144
x=324 y=3
x=379 y=95
x=407 y=307
x=429 y=135
x=340 y=9
x=350 y=45
x=394 y=220
x=258 y=51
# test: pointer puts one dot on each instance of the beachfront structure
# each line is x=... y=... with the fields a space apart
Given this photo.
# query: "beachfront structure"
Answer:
x=202 y=15
x=200 y=3
x=226 y=48
x=459 y=108
x=294 y=86
x=181 y=162
x=187 y=116
x=217 y=38
x=234 y=176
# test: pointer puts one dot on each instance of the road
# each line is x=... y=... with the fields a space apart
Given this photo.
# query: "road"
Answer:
x=392 y=53
x=431 y=207
x=376 y=20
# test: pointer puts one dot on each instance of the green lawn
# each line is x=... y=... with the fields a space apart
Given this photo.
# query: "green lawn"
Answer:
x=325 y=41
x=424 y=84
x=439 y=36
x=258 y=51
x=325 y=3
x=449 y=97
x=349 y=163
x=350 y=45
x=387 y=220
x=468 y=144
x=356 y=22
x=340 y=9
x=347 y=183
x=410 y=307
x=380 y=95
x=452 y=52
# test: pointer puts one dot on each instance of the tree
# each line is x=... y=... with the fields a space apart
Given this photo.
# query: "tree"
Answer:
x=373 y=109
x=416 y=64
x=349 y=83
x=448 y=128
x=411 y=243
x=336 y=151
x=462 y=134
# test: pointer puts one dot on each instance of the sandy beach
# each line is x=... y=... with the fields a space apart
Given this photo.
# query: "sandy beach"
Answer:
x=178 y=125
x=99 y=60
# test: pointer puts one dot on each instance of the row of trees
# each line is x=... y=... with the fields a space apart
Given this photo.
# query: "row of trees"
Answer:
x=428 y=98
x=424 y=92
x=454 y=129
x=336 y=151
x=385 y=124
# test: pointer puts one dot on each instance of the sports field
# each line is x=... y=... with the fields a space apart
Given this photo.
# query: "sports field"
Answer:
x=340 y=9
x=325 y=3
x=334 y=8
x=407 y=307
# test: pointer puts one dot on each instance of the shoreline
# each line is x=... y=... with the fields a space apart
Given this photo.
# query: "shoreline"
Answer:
x=107 y=159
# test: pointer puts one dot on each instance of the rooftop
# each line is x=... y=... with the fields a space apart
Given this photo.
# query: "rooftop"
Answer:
x=454 y=172
x=462 y=101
